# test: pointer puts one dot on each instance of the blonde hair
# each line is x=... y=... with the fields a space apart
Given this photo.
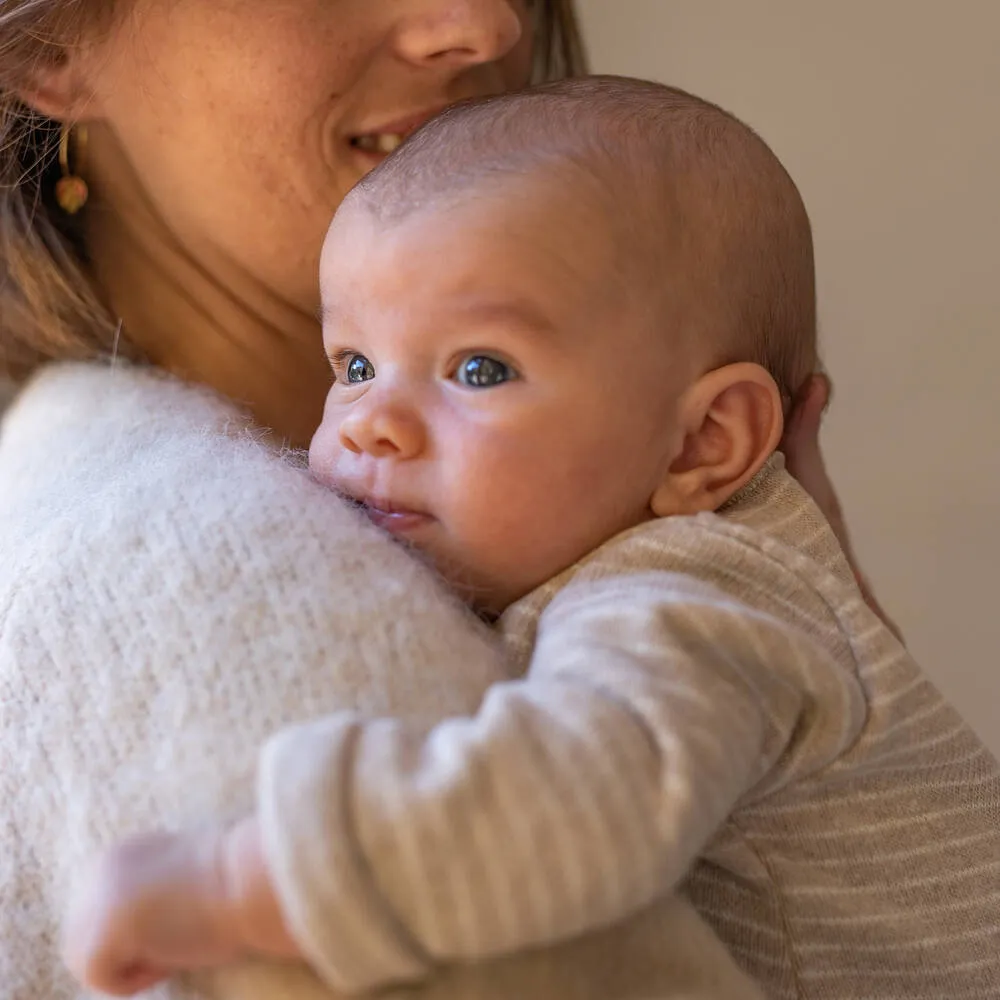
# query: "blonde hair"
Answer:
x=49 y=307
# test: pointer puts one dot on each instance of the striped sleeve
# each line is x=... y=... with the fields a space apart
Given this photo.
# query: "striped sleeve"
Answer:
x=653 y=705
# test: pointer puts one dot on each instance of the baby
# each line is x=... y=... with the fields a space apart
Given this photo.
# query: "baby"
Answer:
x=564 y=327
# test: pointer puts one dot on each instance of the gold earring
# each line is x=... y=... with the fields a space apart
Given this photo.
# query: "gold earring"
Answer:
x=71 y=189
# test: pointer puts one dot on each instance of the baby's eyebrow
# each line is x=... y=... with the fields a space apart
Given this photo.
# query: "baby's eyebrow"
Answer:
x=511 y=312
x=520 y=313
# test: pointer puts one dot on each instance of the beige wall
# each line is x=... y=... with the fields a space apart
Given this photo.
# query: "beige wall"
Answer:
x=887 y=113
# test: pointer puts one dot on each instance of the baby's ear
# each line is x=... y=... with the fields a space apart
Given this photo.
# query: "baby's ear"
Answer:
x=732 y=422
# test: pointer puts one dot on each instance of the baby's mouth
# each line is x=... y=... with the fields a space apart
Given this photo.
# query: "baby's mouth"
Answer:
x=391 y=517
x=396 y=521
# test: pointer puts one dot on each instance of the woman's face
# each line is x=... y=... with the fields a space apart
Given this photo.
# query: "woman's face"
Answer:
x=246 y=121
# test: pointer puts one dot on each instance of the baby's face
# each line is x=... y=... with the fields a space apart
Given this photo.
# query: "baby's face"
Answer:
x=500 y=400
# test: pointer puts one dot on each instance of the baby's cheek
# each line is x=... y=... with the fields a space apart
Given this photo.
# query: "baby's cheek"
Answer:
x=324 y=448
x=529 y=539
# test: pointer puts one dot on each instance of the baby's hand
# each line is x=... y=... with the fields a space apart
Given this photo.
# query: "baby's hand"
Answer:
x=151 y=907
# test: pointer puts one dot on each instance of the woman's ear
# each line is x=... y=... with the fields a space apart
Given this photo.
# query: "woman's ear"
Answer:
x=58 y=88
x=732 y=422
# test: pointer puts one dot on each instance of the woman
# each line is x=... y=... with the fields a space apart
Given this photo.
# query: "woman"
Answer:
x=219 y=139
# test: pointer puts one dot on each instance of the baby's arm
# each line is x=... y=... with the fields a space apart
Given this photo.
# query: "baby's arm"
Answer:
x=570 y=801
x=574 y=798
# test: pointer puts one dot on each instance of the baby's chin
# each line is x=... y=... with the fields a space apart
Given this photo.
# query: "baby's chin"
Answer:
x=487 y=597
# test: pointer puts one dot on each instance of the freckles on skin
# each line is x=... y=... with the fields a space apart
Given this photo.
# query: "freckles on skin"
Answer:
x=249 y=71
x=237 y=116
x=222 y=110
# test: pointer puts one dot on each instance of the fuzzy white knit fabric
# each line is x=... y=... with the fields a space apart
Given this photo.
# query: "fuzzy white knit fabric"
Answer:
x=171 y=593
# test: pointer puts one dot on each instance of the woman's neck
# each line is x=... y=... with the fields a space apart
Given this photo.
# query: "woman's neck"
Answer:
x=200 y=317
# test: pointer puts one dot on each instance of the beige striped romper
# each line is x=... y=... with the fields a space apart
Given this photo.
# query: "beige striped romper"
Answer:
x=706 y=702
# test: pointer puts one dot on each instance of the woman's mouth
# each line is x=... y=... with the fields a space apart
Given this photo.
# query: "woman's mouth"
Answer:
x=380 y=144
x=384 y=139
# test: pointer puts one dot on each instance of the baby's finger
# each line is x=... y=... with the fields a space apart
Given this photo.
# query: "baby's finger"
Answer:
x=134 y=978
x=807 y=410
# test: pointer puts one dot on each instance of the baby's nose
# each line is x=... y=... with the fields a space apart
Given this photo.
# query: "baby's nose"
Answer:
x=383 y=431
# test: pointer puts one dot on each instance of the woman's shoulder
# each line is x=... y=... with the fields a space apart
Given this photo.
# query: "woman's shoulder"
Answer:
x=95 y=399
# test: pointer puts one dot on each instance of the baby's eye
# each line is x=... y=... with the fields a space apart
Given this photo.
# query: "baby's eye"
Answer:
x=359 y=369
x=480 y=371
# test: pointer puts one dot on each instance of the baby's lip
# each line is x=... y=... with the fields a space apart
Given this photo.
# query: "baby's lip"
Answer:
x=397 y=522
x=392 y=515
x=383 y=504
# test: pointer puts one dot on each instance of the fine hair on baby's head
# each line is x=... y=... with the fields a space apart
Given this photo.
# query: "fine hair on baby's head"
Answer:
x=709 y=228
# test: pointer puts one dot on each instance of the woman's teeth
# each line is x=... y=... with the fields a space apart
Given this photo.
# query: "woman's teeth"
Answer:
x=384 y=142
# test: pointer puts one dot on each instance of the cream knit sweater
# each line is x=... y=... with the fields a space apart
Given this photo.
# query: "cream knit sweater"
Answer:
x=171 y=593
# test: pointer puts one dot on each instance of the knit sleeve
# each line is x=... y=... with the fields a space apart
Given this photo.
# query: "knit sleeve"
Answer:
x=574 y=798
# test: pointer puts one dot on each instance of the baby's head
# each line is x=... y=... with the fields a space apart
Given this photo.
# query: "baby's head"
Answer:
x=555 y=315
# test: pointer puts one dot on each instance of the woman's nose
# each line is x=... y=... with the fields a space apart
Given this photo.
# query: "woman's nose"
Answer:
x=458 y=33
x=382 y=430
